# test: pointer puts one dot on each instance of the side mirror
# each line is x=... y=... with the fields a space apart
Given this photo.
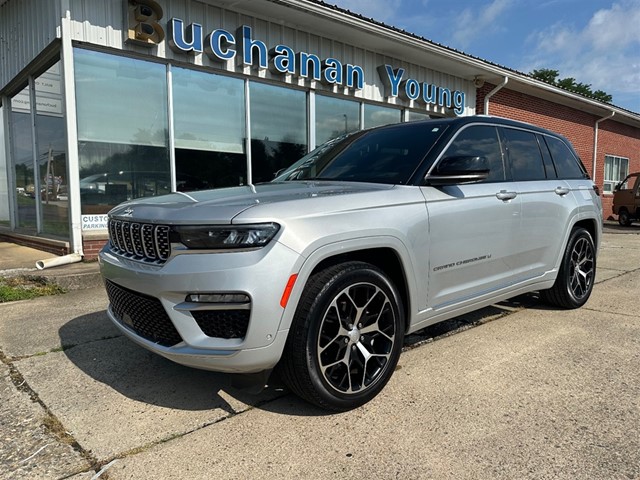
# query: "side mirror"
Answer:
x=617 y=187
x=459 y=169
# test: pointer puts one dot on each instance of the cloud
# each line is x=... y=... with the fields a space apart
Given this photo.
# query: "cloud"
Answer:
x=604 y=53
x=473 y=22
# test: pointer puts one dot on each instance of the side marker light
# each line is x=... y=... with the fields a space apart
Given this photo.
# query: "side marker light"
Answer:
x=287 y=290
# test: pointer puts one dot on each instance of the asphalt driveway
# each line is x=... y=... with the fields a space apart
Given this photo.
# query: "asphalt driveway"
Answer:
x=517 y=390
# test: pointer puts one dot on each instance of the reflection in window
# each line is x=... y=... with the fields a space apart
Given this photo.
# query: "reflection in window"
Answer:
x=278 y=129
x=335 y=117
x=417 y=116
x=52 y=153
x=122 y=129
x=389 y=155
x=112 y=173
x=480 y=141
x=567 y=165
x=524 y=155
x=22 y=159
x=375 y=115
x=209 y=126
x=5 y=218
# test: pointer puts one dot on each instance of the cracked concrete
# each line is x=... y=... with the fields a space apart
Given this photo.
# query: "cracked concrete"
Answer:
x=518 y=390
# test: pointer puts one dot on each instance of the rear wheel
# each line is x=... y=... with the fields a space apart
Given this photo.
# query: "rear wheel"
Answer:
x=623 y=218
x=346 y=337
x=574 y=283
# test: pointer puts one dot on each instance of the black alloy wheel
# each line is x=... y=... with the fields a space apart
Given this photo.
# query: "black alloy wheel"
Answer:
x=346 y=337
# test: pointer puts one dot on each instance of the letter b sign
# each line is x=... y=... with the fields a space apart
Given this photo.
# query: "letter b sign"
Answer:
x=142 y=18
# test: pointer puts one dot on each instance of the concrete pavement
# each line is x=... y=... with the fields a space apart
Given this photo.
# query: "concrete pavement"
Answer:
x=530 y=392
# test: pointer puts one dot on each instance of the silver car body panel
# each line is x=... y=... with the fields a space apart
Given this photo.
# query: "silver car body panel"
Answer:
x=460 y=247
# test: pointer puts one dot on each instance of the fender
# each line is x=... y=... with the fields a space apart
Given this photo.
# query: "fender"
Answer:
x=305 y=267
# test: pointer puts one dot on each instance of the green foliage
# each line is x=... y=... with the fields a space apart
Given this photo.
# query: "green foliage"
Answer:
x=551 y=76
x=26 y=287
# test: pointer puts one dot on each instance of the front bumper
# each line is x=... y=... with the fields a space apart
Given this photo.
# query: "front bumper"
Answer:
x=159 y=294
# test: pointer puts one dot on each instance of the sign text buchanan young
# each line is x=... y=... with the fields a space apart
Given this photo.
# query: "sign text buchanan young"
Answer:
x=221 y=45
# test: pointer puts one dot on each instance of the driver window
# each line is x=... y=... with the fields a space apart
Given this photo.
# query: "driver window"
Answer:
x=480 y=141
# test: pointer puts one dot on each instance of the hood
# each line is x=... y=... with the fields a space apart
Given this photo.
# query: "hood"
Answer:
x=220 y=206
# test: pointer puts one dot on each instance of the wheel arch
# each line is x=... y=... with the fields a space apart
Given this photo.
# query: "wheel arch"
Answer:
x=590 y=226
x=389 y=256
x=386 y=259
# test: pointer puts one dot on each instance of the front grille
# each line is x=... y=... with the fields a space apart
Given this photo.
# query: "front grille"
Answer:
x=223 y=323
x=140 y=241
x=145 y=315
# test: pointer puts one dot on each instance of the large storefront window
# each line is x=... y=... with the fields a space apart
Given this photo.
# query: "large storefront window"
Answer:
x=209 y=126
x=22 y=163
x=42 y=198
x=278 y=129
x=335 y=117
x=417 y=116
x=5 y=216
x=52 y=155
x=375 y=115
x=122 y=129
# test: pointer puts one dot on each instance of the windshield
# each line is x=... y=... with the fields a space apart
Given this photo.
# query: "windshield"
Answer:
x=385 y=155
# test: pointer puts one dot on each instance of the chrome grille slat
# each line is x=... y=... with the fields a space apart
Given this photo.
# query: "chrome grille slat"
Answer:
x=140 y=241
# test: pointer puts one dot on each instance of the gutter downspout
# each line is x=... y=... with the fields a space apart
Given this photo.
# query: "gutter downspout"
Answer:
x=492 y=93
x=595 y=143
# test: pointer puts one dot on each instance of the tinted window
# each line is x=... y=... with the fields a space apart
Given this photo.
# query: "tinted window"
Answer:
x=567 y=164
x=549 y=168
x=388 y=155
x=480 y=141
x=524 y=155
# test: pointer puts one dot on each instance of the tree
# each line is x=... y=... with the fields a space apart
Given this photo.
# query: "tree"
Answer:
x=569 y=83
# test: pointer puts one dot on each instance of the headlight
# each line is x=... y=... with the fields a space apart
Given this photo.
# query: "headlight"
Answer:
x=226 y=237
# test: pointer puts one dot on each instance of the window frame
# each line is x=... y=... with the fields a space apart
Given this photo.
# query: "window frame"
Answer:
x=621 y=176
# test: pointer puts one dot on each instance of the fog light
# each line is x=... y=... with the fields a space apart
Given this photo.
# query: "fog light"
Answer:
x=218 y=298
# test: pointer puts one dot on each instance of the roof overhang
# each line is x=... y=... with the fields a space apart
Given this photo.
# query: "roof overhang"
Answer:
x=333 y=22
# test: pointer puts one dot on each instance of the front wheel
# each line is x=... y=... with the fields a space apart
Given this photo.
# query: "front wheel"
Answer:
x=623 y=218
x=577 y=273
x=346 y=337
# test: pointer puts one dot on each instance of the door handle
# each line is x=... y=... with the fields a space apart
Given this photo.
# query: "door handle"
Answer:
x=504 y=195
x=562 y=191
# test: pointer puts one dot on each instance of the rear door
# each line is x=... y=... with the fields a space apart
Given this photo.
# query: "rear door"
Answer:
x=547 y=202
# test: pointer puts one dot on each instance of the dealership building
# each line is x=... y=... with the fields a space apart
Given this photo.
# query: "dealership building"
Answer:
x=104 y=101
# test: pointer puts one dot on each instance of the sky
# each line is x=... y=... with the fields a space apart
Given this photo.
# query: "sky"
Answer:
x=597 y=42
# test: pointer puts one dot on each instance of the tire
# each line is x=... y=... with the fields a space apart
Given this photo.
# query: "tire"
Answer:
x=346 y=337
x=623 y=218
x=574 y=283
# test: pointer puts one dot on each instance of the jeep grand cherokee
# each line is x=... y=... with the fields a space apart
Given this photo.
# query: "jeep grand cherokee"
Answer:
x=321 y=272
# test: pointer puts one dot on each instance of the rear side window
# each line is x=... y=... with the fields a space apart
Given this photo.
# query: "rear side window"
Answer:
x=480 y=141
x=549 y=167
x=525 y=158
x=567 y=164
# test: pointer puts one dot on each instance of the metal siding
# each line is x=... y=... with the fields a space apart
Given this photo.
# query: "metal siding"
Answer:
x=103 y=23
x=26 y=28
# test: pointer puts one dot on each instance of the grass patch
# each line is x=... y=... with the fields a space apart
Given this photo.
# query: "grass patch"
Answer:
x=25 y=287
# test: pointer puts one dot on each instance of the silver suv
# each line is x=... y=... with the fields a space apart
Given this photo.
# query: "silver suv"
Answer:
x=321 y=272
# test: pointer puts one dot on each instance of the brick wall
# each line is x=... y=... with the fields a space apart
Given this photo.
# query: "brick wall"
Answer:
x=91 y=248
x=620 y=140
x=614 y=138
x=43 y=244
